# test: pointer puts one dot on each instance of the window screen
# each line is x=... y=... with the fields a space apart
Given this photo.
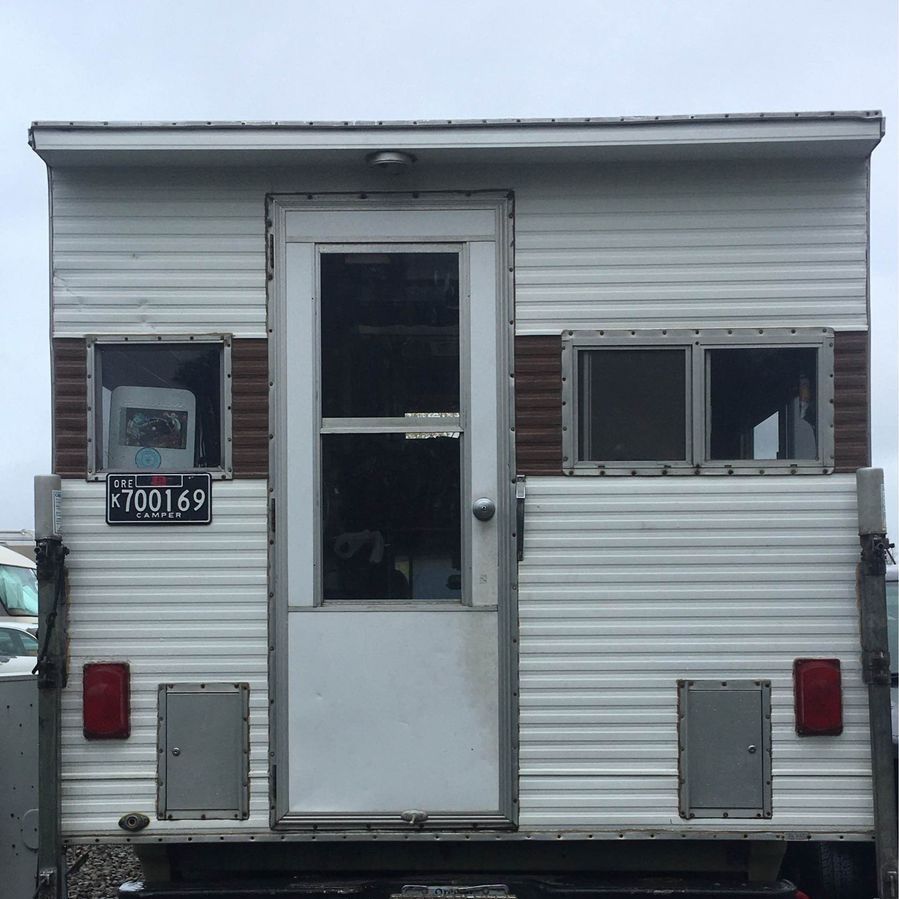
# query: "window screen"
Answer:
x=158 y=406
x=632 y=405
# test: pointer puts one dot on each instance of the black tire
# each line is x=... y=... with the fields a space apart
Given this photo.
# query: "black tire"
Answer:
x=838 y=871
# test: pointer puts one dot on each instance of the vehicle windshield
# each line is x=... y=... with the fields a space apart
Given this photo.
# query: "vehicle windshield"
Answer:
x=18 y=590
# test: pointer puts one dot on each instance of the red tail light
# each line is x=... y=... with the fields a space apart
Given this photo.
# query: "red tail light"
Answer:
x=106 y=705
x=819 y=697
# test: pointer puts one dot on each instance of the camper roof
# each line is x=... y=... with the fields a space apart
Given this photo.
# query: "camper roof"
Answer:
x=464 y=140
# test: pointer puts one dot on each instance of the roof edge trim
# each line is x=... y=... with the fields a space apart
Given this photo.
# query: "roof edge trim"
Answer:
x=862 y=129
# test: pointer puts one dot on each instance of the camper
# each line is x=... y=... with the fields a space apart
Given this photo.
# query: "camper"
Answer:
x=460 y=508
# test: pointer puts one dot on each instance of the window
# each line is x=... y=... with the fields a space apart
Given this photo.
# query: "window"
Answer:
x=159 y=405
x=650 y=402
x=18 y=590
x=762 y=403
x=391 y=449
x=16 y=643
x=632 y=404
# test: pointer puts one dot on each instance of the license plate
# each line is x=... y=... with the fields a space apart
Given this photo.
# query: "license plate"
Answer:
x=452 y=891
x=159 y=498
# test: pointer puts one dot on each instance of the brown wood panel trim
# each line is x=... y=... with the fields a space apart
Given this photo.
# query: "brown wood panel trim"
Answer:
x=69 y=403
x=249 y=407
x=850 y=401
x=538 y=404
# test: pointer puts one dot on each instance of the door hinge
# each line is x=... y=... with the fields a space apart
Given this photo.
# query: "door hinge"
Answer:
x=271 y=515
x=271 y=255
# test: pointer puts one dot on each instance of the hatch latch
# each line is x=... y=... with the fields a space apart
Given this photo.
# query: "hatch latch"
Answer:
x=520 y=493
x=414 y=816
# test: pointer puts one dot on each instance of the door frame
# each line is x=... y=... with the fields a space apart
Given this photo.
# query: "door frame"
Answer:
x=500 y=205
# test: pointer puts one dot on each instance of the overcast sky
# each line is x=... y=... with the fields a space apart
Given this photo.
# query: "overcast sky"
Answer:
x=334 y=59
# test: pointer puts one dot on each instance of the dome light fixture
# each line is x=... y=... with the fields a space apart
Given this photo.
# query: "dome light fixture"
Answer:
x=392 y=161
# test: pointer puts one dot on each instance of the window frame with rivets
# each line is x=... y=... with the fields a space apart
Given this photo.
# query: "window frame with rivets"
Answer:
x=98 y=465
x=711 y=377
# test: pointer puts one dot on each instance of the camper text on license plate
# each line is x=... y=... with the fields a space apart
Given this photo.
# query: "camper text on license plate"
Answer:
x=158 y=498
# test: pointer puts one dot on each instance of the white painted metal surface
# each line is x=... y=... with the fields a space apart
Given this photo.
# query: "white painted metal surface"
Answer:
x=394 y=711
x=338 y=226
x=299 y=506
x=487 y=437
x=716 y=245
x=628 y=585
x=185 y=604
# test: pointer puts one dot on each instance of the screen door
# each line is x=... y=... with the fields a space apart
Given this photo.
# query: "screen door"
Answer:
x=396 y=517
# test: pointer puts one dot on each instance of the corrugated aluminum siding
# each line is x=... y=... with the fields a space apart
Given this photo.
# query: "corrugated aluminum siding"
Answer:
x=180 y=604
x=778 y=243
x=157 y=253
x=628 y=585
x=714 y=246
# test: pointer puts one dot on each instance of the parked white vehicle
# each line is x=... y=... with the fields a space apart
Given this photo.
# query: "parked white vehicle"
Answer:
x=18 y=648
x=18 y=588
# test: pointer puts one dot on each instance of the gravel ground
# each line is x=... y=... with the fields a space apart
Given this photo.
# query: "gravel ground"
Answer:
x=102 y=870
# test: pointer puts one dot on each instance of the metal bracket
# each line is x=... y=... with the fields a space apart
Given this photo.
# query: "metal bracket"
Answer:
x=51 y=665
x=46 y=884
x=875 y=552
x=520 y=494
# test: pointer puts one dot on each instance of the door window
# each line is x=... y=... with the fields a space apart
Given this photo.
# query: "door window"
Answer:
x=391 y=435
x=389 y=334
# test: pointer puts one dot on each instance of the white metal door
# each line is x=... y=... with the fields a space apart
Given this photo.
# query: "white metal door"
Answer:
x=391 y=331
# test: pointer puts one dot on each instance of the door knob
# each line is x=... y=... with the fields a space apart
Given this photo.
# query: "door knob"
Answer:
x=483 y=508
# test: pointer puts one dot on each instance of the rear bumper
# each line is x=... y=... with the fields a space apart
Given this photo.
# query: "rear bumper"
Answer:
x=518 y=888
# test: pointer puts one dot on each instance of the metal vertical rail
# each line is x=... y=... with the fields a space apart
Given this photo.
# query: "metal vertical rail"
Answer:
x=51 y=670
x=876 y=670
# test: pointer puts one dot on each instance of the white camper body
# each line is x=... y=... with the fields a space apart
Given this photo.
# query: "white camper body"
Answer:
x=546 y=698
